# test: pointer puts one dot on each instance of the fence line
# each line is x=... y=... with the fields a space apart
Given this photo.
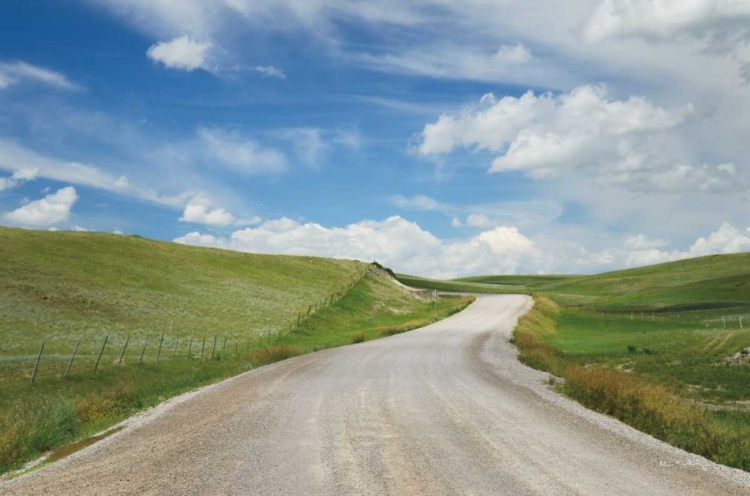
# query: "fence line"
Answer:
x=83 y=356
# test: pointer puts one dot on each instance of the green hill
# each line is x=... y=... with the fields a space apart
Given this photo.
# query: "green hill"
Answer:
x=525 y=280
x=155 y=319
x=60 y=286
x=713 y=282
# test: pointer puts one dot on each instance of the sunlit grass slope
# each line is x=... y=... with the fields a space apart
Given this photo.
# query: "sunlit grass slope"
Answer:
x=718 y=281
x=459 y=286
x=58 y=286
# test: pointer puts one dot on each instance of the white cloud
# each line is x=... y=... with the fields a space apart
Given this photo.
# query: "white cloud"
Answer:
x=308 y=143
x=181 y=53
x=479 y=220
x=200 y=210
x=456 y=222
x=667 y=19
x=395 y=242
x=418 y=202
x=621 y=142
x=237 y=152
x=269 y=71
x=50 y=210
x=726 y=239
x=26 y=164
x=506 y=63
x=680 y=179
x=643 y=242
x=17 y=178
x=13 y=73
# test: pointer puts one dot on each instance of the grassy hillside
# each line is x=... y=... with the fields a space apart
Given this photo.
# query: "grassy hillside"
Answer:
x=525 y=281
x=373 y=308
x=59 y=286
x=222 y=313
x=719 y=281
x=458 y=286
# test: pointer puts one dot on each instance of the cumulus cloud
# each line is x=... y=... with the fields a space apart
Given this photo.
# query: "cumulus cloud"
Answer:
x=479 y=220
x=13 y=73
x=396 y=242
x=667 y=19
x=726 y=239
x=270 y=71
x=181 y=53
x=624 y=143
x=50 y=210
x=232 y=150
x=200 y=210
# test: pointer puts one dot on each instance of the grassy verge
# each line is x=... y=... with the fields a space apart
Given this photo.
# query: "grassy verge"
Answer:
x=373 y=308
x=57 y=411
x=633 y=370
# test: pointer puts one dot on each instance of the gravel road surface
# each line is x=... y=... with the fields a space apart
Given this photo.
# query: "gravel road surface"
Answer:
x=446 y=409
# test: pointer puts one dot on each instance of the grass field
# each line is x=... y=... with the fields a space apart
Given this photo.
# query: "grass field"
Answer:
x=61 y=286
x=460 y=286
x=523 y=281
x=649 y=345
x=716 y=282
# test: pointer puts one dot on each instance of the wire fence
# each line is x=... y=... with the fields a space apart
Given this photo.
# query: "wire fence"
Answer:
x=118 y=351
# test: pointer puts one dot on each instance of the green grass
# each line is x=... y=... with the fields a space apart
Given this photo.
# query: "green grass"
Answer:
x=523 y=280
x=64 y=285
x=61 y=286
x=458 y=286
x=656 y=375
x=373 y=308
x=714 y=282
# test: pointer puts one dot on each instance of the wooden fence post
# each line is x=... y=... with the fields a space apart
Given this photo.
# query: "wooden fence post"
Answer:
x=203 y=347
x=224 y=347
x=96 y=365
x=72 y=357
x=119 y=362
x=158 y=353
x=177 y=343
x=214 y=348
x=190 y=347
x=36 y=365
x=143 y=351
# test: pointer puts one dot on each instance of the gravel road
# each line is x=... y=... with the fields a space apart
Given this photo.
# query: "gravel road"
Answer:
x=446 y=409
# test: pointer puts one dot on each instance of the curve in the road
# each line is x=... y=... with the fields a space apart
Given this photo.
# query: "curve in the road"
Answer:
x=446 y=409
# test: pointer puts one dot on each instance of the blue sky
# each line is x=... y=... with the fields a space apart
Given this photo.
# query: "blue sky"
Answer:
x=440 y=139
